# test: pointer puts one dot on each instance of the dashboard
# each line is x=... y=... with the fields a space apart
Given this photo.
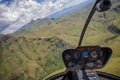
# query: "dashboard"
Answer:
x=86 y=57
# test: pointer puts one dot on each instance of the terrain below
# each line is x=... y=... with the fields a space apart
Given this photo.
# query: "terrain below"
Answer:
x=34 y=52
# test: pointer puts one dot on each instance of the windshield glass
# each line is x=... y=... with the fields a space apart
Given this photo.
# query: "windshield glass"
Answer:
x=104 y=30
x=34 y=33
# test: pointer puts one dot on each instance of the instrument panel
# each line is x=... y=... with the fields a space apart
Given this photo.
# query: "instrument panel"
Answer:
x=87 y=57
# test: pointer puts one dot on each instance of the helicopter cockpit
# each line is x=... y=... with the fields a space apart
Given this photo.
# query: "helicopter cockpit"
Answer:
x=38 y=39
x=81 y=63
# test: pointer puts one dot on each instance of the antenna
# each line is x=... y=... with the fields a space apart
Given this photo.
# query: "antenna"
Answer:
x=100 y=6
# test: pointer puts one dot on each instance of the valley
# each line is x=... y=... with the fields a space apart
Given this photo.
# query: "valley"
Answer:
x=34 y=52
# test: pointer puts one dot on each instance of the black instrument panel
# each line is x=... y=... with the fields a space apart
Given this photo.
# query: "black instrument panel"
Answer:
x=88 y=57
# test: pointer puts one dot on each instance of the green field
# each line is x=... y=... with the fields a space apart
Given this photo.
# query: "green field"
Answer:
x=34 y=52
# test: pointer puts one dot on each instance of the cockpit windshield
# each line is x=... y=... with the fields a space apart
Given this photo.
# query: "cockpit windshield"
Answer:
x=34 y=33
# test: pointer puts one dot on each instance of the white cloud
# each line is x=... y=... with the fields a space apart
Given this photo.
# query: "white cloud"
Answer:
x=21 y=12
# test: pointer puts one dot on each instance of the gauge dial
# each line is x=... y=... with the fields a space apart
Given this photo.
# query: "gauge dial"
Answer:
x=77 y=55
x=67 y=57
x=71 y=64
x=94 y=54
x=90 y=65
x=98 y=64
x=101 y=54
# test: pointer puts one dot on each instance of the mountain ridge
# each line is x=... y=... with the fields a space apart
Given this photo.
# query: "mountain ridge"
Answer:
x=35 y=51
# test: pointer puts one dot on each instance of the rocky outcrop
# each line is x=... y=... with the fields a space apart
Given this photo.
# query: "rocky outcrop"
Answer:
x=117 y=9
x=114 y=29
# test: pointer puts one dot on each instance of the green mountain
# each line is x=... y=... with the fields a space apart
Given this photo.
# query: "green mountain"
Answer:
x=30 y=58
x=34 y=52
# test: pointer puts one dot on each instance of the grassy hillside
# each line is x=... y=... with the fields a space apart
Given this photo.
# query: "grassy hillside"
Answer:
x=34 y=52
x=30 y=58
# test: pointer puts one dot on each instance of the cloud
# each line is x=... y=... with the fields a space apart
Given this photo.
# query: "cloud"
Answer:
x=21 y=12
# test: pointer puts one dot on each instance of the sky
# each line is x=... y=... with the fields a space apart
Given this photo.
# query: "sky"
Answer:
x=14 y=14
